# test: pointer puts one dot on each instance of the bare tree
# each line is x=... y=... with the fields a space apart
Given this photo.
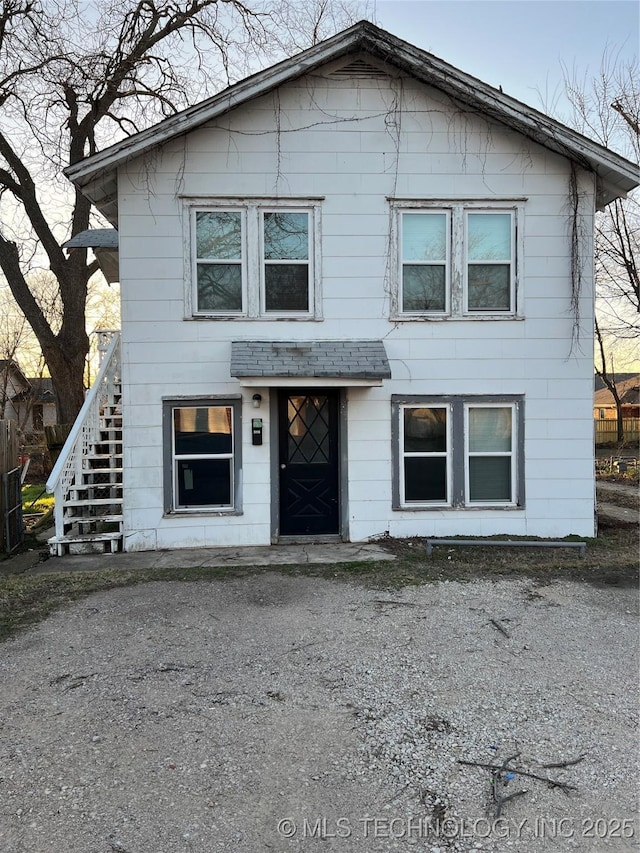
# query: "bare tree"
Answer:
x=607 y=108
x=77 y=76
x=606 y=372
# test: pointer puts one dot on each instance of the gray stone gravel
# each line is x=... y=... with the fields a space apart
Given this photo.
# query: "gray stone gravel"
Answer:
x=258 y=714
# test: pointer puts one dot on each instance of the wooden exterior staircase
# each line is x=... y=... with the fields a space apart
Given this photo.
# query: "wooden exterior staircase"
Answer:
x=87 y=477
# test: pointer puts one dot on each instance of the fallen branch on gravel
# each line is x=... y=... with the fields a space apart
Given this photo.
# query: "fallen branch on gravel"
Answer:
x=565 y=763
x=502 y=630
x=500 y=778
x=72 y=681
x=554 y=783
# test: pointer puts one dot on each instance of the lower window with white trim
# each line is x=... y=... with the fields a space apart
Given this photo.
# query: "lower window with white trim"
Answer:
x=202 y=454
x=458 y=451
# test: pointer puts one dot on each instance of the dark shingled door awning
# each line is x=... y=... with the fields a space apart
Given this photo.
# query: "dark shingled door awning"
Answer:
x=287 y=363
x=104 y=242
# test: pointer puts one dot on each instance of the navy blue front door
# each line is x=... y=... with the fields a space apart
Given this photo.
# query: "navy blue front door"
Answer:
x=309 y=462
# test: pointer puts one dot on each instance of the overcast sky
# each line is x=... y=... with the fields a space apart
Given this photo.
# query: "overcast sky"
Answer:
x=518 y=44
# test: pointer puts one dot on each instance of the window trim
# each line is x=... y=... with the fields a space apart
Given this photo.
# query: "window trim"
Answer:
x=253 y=288
x=512 y=261
x=264 y=262
x=458 y=432
x=169 y=458
x=422 y=455
x=447 y=261
x=456 y=274
x=196 y=262
x=469 y=454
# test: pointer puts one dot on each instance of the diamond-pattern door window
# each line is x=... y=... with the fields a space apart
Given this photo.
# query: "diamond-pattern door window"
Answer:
x=308 y=434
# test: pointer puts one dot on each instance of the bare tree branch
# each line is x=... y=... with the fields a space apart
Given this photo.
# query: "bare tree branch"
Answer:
x=75 y=78
x=609 y=380
x=607 y=108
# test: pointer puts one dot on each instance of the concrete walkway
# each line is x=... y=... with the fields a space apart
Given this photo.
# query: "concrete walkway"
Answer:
x=35 y=561
x=30 y=562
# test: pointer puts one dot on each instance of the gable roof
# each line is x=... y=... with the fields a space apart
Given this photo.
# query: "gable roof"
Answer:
x=10 y=365
x=97 y=175
x=628 y=391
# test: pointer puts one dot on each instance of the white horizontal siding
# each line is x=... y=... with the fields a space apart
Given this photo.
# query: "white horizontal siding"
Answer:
x=343 y=148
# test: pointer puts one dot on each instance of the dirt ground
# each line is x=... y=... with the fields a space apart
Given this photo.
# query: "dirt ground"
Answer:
x=316 y=707
x=282 y=713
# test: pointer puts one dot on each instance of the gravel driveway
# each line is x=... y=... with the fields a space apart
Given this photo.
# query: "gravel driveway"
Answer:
x=263 y=713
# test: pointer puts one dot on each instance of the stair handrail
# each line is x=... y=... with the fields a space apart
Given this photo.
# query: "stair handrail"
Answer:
x=90 y=408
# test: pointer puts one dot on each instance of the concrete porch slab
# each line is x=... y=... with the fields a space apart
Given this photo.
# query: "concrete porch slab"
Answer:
x=268 y=555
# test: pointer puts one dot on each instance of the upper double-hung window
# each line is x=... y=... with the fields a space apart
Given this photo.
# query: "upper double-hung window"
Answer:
x=220 y=262
x=458 y=260
x=490 y=261
x=255 y=260
x=286 y=262
x=425 y=265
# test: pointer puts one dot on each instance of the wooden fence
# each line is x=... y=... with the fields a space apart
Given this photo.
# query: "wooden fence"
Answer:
x=11 y=526
x=607 y=431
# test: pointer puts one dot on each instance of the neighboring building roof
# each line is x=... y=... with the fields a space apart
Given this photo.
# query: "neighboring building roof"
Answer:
x=628 y=391
x=97 y=175
x=343 y=360
x=618 y=377
x=40 y=390
x=9 y=363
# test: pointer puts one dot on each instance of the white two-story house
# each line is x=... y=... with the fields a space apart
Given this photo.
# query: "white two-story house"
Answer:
x=357 y=299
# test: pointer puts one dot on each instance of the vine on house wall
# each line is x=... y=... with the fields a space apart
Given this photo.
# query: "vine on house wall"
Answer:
x=577 y=236
x=462 y=126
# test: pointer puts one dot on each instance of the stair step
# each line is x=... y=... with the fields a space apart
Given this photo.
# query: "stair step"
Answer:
x=102 y=457
x=93 y=519
x=74 y=527
x=96 y=487
x=93 y=494
x=100 y=484
x=87 y=529
x=96 y=536
x=88 y=544
x=94 y=502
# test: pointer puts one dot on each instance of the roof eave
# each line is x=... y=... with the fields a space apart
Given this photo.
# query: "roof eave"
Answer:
x=96 y=175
